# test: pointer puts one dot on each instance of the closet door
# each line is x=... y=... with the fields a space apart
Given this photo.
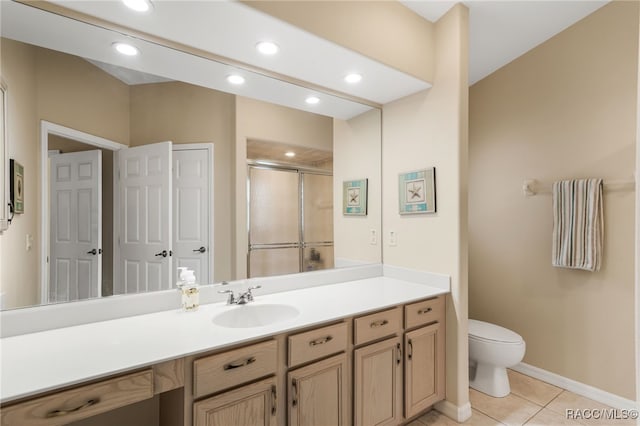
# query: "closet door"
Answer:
x=75 y=226
x=192 y=212
x=145 y=249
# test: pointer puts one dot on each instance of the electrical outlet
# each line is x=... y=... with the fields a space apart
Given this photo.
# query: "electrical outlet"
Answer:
x=393 y=238
x=373 y=237
x=29 y=242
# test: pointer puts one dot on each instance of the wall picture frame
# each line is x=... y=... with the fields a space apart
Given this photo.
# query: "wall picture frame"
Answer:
x=417 y=191
x=354 y=197
x=16 y=186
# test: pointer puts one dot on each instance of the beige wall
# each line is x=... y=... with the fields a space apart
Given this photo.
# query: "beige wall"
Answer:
x=424 y=130
x=365 y=27
x=184 y=113
x=566 y=109
x=263 y=121
x=19 y=279
x=37 y=80
x=356 y=149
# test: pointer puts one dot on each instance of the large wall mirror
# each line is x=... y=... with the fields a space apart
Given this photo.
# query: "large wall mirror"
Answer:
x=136 y=166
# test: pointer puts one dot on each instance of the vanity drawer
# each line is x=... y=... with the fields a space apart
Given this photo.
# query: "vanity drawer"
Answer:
x=82 y=402
x=317 y=343
x=423 y=312
x=378 y=325
x=221 y=371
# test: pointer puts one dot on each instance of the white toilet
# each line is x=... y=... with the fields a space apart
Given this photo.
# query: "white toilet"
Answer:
x=491 y=350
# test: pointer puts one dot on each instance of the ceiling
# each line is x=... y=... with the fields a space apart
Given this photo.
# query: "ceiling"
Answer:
x=500 y=31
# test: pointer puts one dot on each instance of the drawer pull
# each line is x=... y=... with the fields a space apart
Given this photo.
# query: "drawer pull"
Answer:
x=321 y=341
x=294 y=398
x=238 y=364
x=425 y=311
x=58 y=413
x=377 y=324
x=274 y=403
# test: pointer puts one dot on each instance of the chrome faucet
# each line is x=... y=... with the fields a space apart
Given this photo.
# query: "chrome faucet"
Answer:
x=242 y=299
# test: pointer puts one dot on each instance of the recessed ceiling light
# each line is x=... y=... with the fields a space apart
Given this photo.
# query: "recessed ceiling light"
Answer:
x=290 y=154
x=126 y=49
x=353 y=78
x=312 y=100
x=138 y=5
x=235 y=79
x=267 y=47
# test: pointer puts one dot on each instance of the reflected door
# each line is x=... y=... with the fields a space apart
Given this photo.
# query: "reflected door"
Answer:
x=191 y=212
x=144 y=262
x=317 y=231
x=75 y=226
x=274 y=222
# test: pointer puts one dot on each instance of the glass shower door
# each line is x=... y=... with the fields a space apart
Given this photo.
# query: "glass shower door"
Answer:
x=317 y=229
x=274 y=222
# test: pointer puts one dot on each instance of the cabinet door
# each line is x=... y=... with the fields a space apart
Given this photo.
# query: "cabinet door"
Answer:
x=318 y=393
x=251 y=405
x=424 y=368
x=378 y=383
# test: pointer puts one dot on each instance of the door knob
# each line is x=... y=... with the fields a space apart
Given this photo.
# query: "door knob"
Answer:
x=163 y=253
x=201 y=250
x=93 y=252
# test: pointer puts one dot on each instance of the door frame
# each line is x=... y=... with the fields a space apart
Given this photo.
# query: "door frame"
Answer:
x=210 y=148
x=48 y=128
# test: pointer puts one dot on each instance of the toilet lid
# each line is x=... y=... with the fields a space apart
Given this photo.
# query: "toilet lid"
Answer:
x=486 y=331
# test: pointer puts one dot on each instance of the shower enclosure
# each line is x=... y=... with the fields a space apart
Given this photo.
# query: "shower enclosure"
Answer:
x=290 y=213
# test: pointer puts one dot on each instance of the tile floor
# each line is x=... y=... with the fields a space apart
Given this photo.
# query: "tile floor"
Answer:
x=531 y=402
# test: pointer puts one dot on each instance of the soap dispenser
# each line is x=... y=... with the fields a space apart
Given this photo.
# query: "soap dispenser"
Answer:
x=189 y=289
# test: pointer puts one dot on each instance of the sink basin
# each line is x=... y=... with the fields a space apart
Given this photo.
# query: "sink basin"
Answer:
x=249 y=315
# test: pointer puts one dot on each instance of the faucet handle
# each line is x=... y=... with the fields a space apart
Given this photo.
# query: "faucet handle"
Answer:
x=231 y=299
x=254 y=287
x=249 y=295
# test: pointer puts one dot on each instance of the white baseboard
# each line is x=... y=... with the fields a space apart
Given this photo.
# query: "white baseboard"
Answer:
x=587 y=391
x=458 y=413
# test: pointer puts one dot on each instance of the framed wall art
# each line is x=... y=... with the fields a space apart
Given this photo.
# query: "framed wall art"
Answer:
x=16 y=187
x=354 y=197
x=417 y=191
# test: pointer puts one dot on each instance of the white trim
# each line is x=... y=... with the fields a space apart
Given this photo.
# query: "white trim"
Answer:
x=4 y=159
x=210 y=147
x=582 y=389
x=459 y=414
x=637 y=234
x=47 y=128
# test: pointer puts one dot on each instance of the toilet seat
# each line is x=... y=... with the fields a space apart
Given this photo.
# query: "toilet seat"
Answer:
x=487 y=332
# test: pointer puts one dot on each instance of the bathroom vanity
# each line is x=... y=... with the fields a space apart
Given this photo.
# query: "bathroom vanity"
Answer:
x=364 y=352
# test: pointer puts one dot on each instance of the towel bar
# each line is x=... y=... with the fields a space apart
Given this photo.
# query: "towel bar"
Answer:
x=531 y=187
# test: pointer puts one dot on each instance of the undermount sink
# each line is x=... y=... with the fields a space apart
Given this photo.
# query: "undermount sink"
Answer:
x=249 y=315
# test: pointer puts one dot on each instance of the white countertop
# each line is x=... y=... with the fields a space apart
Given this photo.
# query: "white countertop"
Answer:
x=43 y=361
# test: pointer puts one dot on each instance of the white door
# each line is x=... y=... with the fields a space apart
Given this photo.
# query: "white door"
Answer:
x=192 y=216
x=75 y=226
x=144 y=238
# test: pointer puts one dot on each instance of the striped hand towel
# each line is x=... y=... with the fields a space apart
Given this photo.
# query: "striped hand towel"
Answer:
x=578 y=224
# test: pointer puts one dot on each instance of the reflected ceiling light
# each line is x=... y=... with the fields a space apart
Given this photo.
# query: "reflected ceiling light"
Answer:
x=290 y=154
x=312 y=100
x=138 y=5
x=353 y=78
x=125 y=49
x=267 y=47
x=235 y=79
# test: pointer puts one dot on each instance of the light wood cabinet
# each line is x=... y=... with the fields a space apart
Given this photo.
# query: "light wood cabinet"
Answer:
x=424 y=368
x=379 y=369
x=81 y=402
x=318 y=395
x=378 y=383
x=250 y=405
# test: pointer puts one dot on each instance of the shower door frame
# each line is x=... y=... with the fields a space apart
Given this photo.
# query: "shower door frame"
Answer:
x=301 y=244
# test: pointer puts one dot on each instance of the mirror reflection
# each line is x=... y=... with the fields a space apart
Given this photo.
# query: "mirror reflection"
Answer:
x=129 y=175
